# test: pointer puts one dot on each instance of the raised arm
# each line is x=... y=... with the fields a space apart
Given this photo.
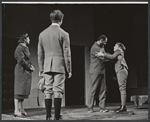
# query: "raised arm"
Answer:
x=101 y=56
x=113 y=56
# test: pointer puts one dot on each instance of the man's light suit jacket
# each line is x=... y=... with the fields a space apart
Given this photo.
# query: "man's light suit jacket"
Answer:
x=54 y=53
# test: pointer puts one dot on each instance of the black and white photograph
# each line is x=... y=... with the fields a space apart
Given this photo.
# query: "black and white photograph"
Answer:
x=74 y=60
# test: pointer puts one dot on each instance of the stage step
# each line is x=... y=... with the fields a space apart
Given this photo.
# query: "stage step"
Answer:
x=139 y=100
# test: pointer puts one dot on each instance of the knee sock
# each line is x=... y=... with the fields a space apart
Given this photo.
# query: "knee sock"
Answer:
x=57 y=104
x=48 y=105
x=123 y=99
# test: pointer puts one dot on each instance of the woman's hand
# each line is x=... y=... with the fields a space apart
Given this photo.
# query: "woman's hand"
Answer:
x=41 y=73
x=32 y=68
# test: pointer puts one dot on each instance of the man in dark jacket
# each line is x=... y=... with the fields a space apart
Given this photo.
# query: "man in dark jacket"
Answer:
x=97 y=74
x=54 y=59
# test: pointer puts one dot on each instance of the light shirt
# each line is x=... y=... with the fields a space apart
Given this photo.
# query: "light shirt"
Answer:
x=55 y=24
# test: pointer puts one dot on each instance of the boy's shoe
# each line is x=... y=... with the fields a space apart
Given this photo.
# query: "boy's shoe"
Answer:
x=117 y=109
x=122 y=109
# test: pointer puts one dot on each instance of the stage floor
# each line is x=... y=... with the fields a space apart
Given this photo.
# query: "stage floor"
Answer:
x=80 y=113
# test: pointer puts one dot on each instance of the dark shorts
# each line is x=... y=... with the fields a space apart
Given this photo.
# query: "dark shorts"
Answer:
x=122 y=76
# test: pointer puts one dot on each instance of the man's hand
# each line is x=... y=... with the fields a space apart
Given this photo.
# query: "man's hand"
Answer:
x=99 y=54
x=41 y=73
x=119 y=57
x=69 y=75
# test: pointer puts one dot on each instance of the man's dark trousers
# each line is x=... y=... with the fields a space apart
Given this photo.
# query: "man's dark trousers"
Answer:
x=96 y=80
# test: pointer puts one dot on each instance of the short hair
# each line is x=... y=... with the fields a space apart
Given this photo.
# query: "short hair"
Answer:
x=56 y=16
x=102 y=37
x=120 y=45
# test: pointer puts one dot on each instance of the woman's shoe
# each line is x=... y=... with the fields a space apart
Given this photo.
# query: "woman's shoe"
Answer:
x=24 y=114
x=18 y=115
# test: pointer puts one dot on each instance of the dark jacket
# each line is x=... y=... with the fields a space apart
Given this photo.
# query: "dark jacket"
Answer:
x=97 y=64
x=54 y=53
x=120 y=62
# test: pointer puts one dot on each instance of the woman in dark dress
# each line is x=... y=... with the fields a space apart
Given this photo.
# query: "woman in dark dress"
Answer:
x=23 y=74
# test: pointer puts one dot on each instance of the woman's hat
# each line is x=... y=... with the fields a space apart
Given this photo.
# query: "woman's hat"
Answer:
x=23 y=35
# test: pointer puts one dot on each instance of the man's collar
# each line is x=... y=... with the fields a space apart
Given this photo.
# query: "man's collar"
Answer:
x=96 y=44
x=55 y=24
x=99 y=45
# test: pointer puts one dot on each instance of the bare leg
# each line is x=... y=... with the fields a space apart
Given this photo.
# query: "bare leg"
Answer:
x=16 y=101
x=22 y=108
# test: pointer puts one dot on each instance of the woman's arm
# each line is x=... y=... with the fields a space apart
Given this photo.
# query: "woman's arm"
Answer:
x=20 y=57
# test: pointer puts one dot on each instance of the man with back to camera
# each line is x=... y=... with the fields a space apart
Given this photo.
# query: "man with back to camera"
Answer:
x=54 y=59
x=97 y=74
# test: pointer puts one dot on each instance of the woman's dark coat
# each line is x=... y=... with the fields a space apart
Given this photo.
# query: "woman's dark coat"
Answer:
x=22 y=73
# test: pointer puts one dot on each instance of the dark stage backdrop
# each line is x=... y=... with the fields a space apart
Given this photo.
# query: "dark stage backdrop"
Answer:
x=75 y=87
x=8 y=65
